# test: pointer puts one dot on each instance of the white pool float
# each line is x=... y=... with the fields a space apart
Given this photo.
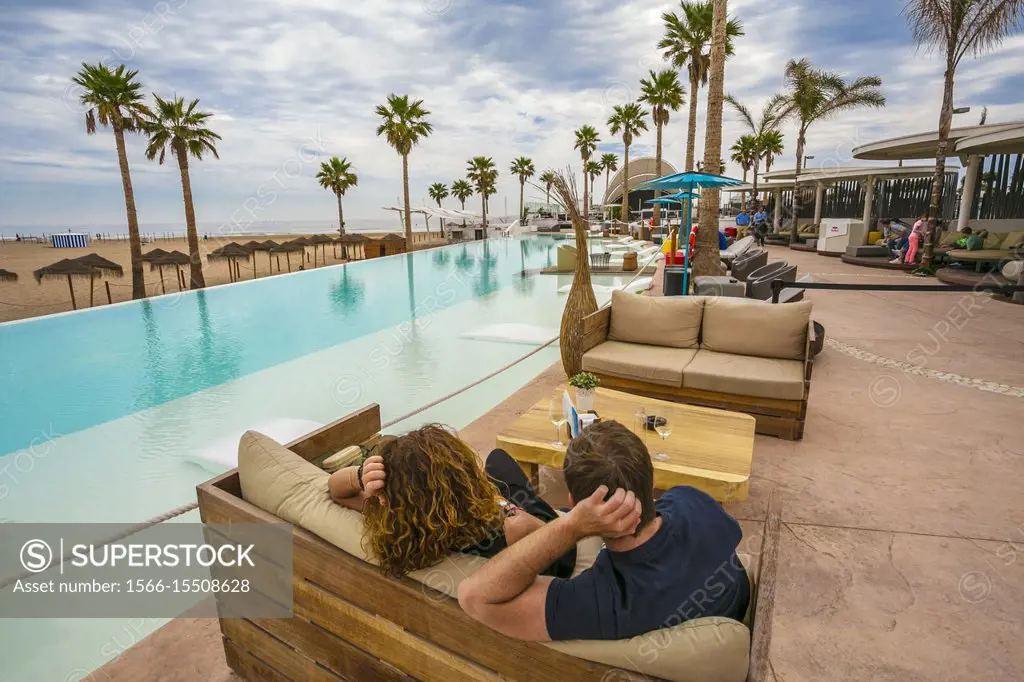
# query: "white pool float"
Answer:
x=222 y=454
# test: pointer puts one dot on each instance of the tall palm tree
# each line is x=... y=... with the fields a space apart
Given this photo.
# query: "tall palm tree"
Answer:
x=586 y=142
x=771 y=147
x=610 y=164
x=956 y=28
x=462 y=190
x=336 y=175
x=663 y=92
x=403 y=125
x=593 y=170
x=548 y=178
x=706 y=260
x=438 y=192
x=629 y=120
x=114 y=98
x=523 y=168
x=816 y=95
x=482 y=172
x=745 y=154
x=762 y=128
x=687 y=43
x=182 y=129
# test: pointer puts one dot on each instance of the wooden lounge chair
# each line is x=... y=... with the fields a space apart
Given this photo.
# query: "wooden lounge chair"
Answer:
x=352 y=622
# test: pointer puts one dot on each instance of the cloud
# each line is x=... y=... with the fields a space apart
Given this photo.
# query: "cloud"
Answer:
x=292 y=81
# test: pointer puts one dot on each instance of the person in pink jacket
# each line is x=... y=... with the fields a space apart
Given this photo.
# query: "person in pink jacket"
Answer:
x=916 y=239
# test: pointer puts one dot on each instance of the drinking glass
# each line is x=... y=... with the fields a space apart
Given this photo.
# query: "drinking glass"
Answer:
x=557 y=416
x=664 y=428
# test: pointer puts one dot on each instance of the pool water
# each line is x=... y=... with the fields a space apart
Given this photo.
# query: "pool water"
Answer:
x=100 y=410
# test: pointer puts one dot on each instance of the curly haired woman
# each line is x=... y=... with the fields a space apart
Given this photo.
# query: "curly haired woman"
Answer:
x=425 y=495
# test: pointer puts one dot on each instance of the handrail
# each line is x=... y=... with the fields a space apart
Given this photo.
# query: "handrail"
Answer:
x=778 y=285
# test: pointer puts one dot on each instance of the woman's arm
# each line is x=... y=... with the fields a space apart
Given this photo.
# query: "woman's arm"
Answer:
x=344 y=484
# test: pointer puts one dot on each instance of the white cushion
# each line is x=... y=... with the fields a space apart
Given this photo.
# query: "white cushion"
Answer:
x=282 y=483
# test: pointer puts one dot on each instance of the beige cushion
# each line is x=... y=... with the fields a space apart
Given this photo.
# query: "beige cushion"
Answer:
x=1012 y=240
x=983 y=255
x=745 y=375
x=656 y=320
x=949 y=238
x=994 y=240
x=282 y=483
x=651 y=364
x=745 y=327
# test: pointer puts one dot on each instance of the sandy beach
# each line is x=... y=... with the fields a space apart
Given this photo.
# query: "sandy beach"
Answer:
x=27 y=298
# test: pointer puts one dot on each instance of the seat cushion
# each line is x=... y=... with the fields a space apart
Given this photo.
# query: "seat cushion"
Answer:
x=983 y=255
x=281 y=483
x=1013 y=240
x=746 y=375
x=651 y=364
x=747 y=327
x=672 y=321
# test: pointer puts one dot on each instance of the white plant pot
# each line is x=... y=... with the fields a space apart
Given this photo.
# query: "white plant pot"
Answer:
x=585 y=399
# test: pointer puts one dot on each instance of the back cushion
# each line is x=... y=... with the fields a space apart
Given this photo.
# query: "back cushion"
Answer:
x=733 y=325
x=1012 y=240
x=672 y=321
x=949 y=238
x=994 y=240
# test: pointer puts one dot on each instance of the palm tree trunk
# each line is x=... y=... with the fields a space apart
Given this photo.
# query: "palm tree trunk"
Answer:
x=691 y=131
x=134 y=241
x=522 y=189
x=757 y=168
x=657 y=170
x=939 y=179
x=707 y=260
x=483 y=209
x=801 y=141
x=607 y=179
x=341 y=217
x=195 y=261
x=586 y=193
x=625 y=188
x=408 y=210
x=743 y=194
x=463 y=202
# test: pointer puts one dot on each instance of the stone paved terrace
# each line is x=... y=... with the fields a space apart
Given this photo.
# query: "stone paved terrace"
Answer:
x=903 y=516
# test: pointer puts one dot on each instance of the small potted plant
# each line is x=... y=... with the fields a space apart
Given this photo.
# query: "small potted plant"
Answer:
x=584 y=383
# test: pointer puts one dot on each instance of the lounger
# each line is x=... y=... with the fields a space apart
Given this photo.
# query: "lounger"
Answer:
x=738 y=248
x=749 y=263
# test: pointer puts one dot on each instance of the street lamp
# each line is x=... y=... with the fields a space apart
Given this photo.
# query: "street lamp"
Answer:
x=961 y=110
x=808 y=158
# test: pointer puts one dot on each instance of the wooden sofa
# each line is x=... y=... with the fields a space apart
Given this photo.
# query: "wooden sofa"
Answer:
x=351 y=622
x=661 y=348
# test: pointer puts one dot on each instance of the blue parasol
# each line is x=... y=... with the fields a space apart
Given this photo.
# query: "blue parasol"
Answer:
x=689 y=181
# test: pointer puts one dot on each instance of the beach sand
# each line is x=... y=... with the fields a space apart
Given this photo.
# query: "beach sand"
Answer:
x=27 y=298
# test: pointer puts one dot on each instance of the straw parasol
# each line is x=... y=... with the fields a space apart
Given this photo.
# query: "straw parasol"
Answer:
x=266 y=246
x=150 y=255
x=71 y=269
x=303 y=242
x=105 y=266
x=287 y=249
x=320 y=240
x=232 y=253
x=174 y=259
x=350 y=240
x=8 y=276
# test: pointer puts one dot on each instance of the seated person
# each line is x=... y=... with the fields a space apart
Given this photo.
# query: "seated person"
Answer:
x=664 y=562
x=896 y=236
x=723 y=241
x=964 y=239
x=742 y=220
x=425 y=495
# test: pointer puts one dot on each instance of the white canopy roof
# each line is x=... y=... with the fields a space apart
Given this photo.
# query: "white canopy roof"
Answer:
x=922 y=145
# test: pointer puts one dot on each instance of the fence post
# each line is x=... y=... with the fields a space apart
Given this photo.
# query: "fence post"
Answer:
x=109 y=299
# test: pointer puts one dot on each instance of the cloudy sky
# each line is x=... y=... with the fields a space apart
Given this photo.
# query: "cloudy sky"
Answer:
x=291 y=81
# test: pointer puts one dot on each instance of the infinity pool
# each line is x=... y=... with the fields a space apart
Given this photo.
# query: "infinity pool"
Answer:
x=101 y=410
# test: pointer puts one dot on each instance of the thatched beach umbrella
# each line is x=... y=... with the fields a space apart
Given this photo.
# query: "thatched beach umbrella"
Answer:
x=232 y=253
x=150 y=255
x=287 y=249
x=350 y=240
x=266 y=246
x=8 y=276
x=320 y=240
x=70 y=269
x=104 y=265
x=174 y=259
x=303 y=242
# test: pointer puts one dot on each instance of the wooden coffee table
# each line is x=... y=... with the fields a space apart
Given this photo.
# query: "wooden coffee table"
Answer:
x=709 y=449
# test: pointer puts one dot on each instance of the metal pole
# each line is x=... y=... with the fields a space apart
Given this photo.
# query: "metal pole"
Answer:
x=776 y=289
x=686 y=254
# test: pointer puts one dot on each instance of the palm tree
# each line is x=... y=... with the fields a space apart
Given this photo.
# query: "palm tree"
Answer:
x=586 y=142
x=956 y=28
x=687 y=43
x=522 y=167
x=771 y=146
x=438 y=192
x=745 y=154
x=482 y=172
x=462 y=190
x=706 y=260
x=663 y=92
x=403 y=125
x=627 y=119
x=548 y=178
x=593 y=169
x=182 y=130
x=610 y=164
x=114 y=98
x=336 y=175
x=816 y=95
x=764 y=129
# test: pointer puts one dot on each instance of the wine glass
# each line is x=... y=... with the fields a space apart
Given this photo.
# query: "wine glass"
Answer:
x=664 y=428
x=557 y=416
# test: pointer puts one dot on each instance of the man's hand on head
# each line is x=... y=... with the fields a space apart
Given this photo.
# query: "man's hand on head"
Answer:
x=616 y=517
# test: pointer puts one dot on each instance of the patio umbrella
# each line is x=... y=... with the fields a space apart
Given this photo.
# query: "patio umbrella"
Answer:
x=688 y=182
x=253 y=247
x=70 y=269
x=287 y=249
x=174 y=259
x=303 y=242
x=320 y=240
x=104 y=266
x=8 y=276
x=150 y=255
x=347 y=240
x=231 y=253
x=267 y=246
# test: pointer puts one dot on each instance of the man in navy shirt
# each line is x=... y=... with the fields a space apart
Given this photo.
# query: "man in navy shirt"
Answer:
x=664 y=562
